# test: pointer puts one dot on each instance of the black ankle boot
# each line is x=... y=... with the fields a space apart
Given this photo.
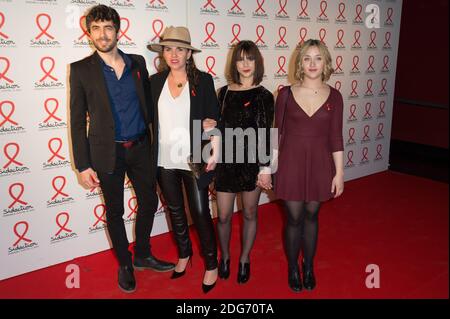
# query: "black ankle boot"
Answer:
x=243 y=273
x=294 y=279
x=127 y=282
x=309 y=281
x=224 y=269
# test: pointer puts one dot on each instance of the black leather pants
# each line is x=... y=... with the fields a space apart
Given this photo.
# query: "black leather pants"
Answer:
x=171 y=181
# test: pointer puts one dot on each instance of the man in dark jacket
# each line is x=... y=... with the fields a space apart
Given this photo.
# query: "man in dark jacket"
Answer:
x=111 y=88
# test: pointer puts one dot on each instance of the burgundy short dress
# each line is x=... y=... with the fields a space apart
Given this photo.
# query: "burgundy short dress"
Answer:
x=305 y=162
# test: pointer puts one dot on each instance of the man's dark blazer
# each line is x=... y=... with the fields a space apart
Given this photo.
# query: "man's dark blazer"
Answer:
x=204 y=104
x=95 y=148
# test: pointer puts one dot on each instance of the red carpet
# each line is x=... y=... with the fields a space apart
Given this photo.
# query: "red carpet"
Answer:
x=396 y=221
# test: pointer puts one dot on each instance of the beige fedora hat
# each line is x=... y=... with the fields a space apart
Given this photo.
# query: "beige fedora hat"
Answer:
x=174 y=36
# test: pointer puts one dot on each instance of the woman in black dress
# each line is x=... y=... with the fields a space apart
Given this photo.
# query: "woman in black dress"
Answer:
x=246 y=107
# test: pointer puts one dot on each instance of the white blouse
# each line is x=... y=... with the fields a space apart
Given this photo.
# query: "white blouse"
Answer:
x=174 y=137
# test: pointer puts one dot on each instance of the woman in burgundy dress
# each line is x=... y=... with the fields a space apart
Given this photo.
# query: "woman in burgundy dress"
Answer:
x=308 y=115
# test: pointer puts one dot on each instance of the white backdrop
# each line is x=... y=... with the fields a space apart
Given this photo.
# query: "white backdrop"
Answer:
x=47 y=217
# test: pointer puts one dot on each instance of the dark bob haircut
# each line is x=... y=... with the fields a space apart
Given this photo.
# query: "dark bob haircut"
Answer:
x=250 y=50
x=102 y=13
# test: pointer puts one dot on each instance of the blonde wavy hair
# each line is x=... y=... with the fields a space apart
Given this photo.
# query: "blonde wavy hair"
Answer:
x=328 y=68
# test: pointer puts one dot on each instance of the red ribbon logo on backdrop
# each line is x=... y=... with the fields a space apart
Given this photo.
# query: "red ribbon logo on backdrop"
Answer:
x=22 y=235
x=349 y=159
x=365 y=153
x=59 y=190
x=99 y=217
x=302 y=33
x=210 y=63
x=369 y=87
x=235 y=30
x=371 y=61
x=352 y=116
x=51 y=114
x=340 y=36
x=322 y=34
x=259 y=34
x=383 y=90
x=210 y=28
x=355 y=62
x=303 y=7
x=62 y=226
x=379 y=156
x=2 y=22
x=367 y=108
x=282 y=8
x=157 y=26
x=357 y=36
x=260 y=8
x=338 y=68
x=358 y=10
x=281 y=64
x=323 y=9
x=389 y=14
x=43 y=28
x=11 y=158
x=366 y=130
x=373 y=37
x=385 y=67
x=354 y=93
x=160 y=1
x=341 y=9
x=209 y=3
x=282 y=34
x=380 y=130
x=7 y=117
x=351 y=133
x=133 y=208
x=236 y=5
x=123 y=33
x=47 y=72
x=5 y=70
x=387 y=38
x=55 y=153
x=381 y=107
x=16 y=197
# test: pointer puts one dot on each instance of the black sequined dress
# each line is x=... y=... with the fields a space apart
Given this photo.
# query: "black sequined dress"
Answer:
x=253 y=108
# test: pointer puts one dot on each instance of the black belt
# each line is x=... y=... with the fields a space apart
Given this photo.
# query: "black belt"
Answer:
x=137 y=141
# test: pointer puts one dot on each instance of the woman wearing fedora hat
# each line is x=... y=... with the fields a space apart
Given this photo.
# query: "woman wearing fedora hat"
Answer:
x=183 y=97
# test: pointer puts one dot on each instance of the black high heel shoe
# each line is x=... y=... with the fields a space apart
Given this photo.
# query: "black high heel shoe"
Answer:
x=243 y=273
x=207 y=288
x=294 y=279
x=176 y=274
x=309 y=280
x=224 y=269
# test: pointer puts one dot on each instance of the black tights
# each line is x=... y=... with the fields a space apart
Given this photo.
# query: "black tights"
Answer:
x=301 y=231
x=225 y=205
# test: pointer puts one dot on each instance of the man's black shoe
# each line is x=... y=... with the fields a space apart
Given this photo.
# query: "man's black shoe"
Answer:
x=127 y=283
x=152 y=263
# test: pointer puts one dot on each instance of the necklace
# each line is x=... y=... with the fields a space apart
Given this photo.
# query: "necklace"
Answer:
x=315 y=90
x=179 y=85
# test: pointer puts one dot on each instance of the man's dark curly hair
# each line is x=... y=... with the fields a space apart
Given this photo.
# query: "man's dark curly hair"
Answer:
x=102 y=13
